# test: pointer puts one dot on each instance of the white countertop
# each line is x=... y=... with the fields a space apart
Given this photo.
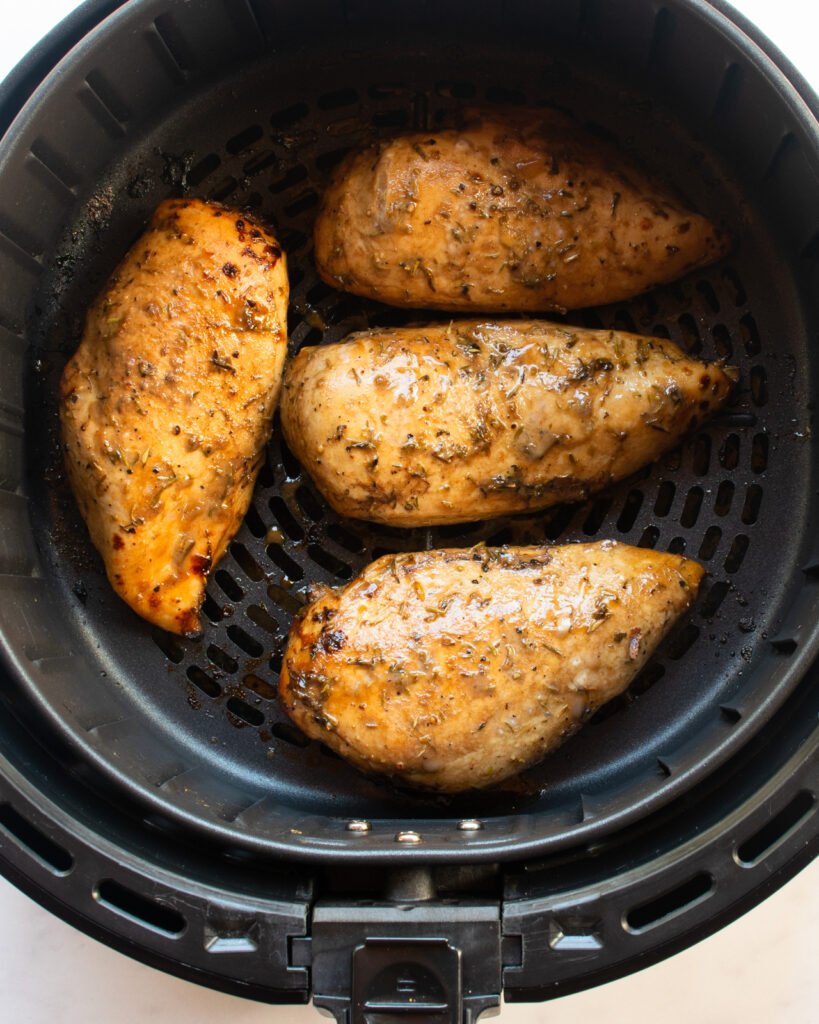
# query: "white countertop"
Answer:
x=760 y=970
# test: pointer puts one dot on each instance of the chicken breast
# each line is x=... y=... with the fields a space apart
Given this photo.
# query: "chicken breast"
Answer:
x=452 y=423
x=166 y=405
x=516 y=211
x=453 y=670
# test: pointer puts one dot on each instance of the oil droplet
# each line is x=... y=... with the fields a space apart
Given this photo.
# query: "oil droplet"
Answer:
x=274 y=536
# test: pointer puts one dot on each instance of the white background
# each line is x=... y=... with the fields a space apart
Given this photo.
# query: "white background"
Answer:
x=760 y=970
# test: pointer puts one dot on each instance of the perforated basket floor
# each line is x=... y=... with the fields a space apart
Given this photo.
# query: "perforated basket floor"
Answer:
x=193 y=728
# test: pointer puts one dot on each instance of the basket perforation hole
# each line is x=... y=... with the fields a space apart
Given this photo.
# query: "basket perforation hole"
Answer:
x=249 y=644
x=280 y=558
x=290 y=734
x=749 y=332
x=710 y=543
x=723 y=345
x=397 y=118
x=307 y=201
x=138 y=908
x=665 y=498
x=37 y=843
x=725 y=497
x=624 y=321
x=651 y=674
x=221 y=659
x=774 y=832
x=349 y=541
x=263 y=619
x=669 y=904
x=319 y=292
x=292 y=242
x=294 y=176
x=260 y=162
x=228 y=585
x=503 y=536
x=672 y=460
x=597 y=514
x=499 y=94
x=289 y=116
x=707 y=292
x=710 y=604
x=630 y=511
x=206 y=166
x=177 y=46
x=325 y=162
x=337 y=99
x=385 y=90
x=701 y=455
x=681 y=642
x=452 y=90
x=310 y=504
x=729 y=452
x=784 y=645
x=244 y=712
x=753 y=500
x=557 y=521
x=691 y=508
x=692 y=342
x=759 y=386
x=661 y=331
x=275 y=661
x=329 y=562
x=263 y=689
x=284 y=598
x=224 y=190
x=285 y=518
x=244 y=139
x=246 y=562
x=207 y=684
x=677 y=546
x=649 y=537
x=730 y=715
x=759 y=453
x=253 y=520
x=212 y=610
x=733 y=559
x=173 y=648
x=734 y=286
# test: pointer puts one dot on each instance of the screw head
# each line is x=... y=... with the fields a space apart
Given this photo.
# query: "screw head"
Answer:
x=358 y=825
x=470 y=825
x=409 y=838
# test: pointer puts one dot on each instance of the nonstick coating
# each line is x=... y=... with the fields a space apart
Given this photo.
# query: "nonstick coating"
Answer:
x=192 y=729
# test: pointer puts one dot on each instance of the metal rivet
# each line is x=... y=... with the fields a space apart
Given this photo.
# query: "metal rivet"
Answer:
x=358 y=825
x=470 y=825
x=410 y=838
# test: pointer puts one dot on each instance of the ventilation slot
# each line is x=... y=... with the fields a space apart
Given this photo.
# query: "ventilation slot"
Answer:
x=665 y=498
x=292 y=570
x=681 y=642
x=729 y=452
x=710 y=296
x=246 y=562
x=557 y=521
x=330 y=562
x=171 y=647
x=206 y=166
x=734 y=287
x=649 y=537
x=722 y=341
x=285 y=518
x=691 y=509
x=259 y=686
x=759 y=453
x=631 y=510
x=50 y=854
x=735 y=556
x=784 y=645
x=709 y=606
x=759 y=386
x=776 y=831
x=710 y=542
x=334 y=100
x=244 y=139
x=753 y=499
x=692 y=342
x=290 y=734
x=244 y=712
x=139 y=909
x=245 y=641
x=289 y=116
x=725 y=495
x=206 y=684
x=213 y=611
x=264 y=620
x=670 y=904
x=229 y=585
x=221 y=659
x=168 y=31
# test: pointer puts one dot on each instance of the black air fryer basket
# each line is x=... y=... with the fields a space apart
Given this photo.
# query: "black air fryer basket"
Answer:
x=151 y=790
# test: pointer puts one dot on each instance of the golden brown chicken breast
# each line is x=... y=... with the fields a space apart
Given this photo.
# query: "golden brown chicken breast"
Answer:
x=450 y=423
x=516 y=211
x=166 y=404
x=453 y=670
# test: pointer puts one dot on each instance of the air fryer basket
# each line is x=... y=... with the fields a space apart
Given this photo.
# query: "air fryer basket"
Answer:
x=150 y=785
